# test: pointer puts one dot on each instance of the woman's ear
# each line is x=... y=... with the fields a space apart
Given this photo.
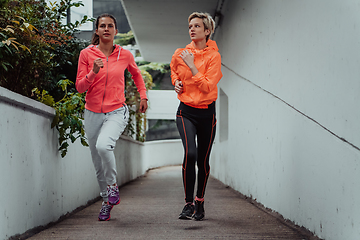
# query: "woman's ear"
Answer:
x=207 y=32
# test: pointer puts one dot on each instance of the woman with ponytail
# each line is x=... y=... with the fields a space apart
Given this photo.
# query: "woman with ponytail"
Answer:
x=101 y=73
x=195 y=72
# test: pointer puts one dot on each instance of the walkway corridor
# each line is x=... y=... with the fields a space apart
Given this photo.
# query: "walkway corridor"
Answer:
x=151 y=204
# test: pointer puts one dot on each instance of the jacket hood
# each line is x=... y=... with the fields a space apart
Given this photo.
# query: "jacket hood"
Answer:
x=211 y=45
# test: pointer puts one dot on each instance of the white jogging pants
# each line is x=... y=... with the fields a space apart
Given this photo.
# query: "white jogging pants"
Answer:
x=103 y=130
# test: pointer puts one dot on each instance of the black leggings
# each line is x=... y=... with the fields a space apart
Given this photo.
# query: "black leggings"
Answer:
x=197 y=131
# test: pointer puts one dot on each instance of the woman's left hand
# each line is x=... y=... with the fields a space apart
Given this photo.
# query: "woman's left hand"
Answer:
x=143 y=105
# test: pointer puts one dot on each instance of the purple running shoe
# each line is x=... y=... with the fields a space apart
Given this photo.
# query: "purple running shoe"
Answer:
x=113 y=195
x=104 y=214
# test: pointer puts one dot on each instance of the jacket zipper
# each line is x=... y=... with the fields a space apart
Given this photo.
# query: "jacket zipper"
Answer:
x=107 y=71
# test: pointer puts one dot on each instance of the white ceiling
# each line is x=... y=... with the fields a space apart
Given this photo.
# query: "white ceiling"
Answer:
x=161 y=26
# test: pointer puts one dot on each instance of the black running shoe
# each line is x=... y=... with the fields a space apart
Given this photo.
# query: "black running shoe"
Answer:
x=187 y=211
x=199 y=211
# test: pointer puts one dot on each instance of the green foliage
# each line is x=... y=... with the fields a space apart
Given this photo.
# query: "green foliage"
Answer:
x=38 y=58
x=136 y=128
x=125 y=38
x=39 y=51
x=36 y=48
x=156 y=70
x=69 y=111
x=147 y=66
x=149 y=71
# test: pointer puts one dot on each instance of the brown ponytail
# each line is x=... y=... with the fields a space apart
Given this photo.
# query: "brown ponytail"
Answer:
x=95 y=39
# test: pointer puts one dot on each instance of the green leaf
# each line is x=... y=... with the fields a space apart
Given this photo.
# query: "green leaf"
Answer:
x=63 y=153
x=62 y=138
x=84 y=142
x=63 y=146
x=4 y=66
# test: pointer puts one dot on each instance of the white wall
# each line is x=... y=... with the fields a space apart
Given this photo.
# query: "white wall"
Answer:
x=291 y=82
x=163 y=104
x=135 y=158
x=38 y=186
x=163 y=153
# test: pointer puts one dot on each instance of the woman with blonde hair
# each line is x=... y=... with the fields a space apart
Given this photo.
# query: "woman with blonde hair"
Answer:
x=195 y=73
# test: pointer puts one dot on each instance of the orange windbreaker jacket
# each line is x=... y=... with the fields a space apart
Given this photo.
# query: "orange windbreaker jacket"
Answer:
x=200 y=90
x=105 y=90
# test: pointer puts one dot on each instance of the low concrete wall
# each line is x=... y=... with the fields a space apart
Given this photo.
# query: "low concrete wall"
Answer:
x=163 y=153
x=163 y=104
x=134 y=158
x=38 y=186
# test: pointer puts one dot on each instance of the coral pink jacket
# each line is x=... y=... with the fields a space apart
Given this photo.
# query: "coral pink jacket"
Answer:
x=200 y=90
x=105 y=90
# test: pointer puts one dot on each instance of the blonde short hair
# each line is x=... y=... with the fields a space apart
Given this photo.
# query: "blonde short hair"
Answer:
x=208 y=21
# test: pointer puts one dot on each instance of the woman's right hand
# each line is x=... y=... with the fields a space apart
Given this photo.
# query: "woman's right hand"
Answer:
x=178 y=87
x=98 y=63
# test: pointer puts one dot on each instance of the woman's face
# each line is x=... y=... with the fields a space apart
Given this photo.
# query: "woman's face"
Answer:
x=196 y=30
x=106 y=29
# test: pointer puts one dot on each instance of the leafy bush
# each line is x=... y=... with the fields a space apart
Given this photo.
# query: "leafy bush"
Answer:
x=38 y=58
x=37 y=49
x=149 y=70
x=69 y=112
x=137 y=120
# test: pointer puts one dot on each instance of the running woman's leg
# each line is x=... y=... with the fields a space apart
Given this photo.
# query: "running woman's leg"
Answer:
x=93 y=123
x=113 y=126
x=187 y=133
x=205 y=138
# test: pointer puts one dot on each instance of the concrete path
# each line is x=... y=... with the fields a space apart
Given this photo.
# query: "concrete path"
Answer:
x=150 y=207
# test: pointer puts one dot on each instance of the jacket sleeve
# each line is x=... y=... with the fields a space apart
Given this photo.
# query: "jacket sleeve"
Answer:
x=137 y=77
x=84 y=79
x=208 y=80
x=174 y=75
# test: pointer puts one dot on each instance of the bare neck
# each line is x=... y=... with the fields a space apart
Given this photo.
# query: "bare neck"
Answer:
x=200 y=44
x=107 y=48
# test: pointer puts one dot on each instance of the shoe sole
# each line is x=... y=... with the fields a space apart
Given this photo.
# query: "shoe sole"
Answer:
x=102 y=220
x=197 y=219
x=113 y=204
x=107 y=218
x=184 y=217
